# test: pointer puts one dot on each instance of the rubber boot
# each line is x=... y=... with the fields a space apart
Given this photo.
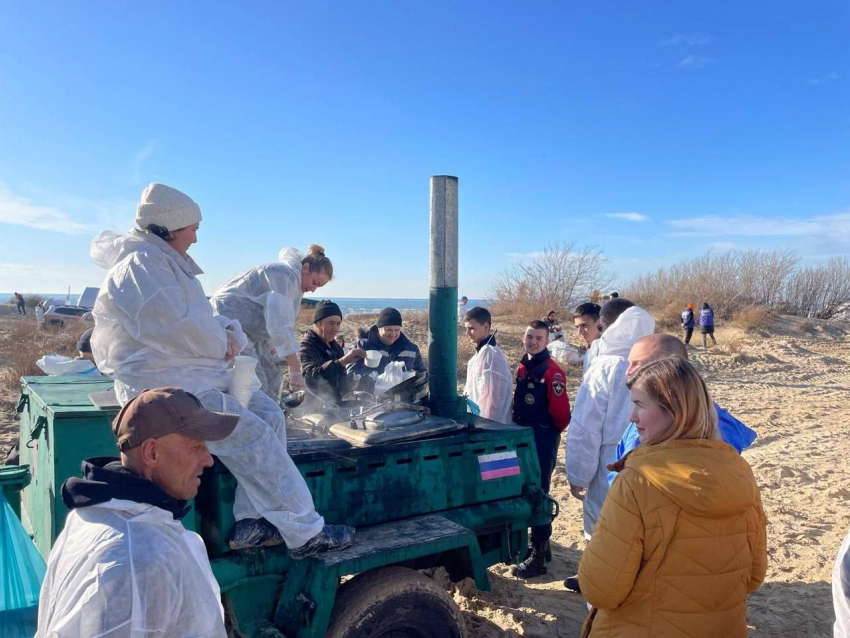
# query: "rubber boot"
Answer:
x=332 y=538
x=534 y=565
x=254 y=532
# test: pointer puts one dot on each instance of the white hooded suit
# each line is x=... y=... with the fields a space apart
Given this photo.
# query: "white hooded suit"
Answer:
x=154 y=327
x=602 y=409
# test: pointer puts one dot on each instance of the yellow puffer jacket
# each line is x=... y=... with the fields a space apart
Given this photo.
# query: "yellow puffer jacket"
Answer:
x=680 y=542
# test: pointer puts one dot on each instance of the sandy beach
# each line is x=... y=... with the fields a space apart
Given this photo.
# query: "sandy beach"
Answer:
x=789 y=381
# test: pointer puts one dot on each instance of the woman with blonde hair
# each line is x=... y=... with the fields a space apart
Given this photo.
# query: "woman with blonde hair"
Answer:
x=681 y=539
x=266 y=301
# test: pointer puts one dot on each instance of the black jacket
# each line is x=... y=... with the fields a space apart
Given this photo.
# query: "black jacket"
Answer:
x=104 y=478
x=321 y=368
x=402 y=350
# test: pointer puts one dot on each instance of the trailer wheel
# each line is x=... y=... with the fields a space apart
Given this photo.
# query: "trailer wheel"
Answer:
x=395 y=602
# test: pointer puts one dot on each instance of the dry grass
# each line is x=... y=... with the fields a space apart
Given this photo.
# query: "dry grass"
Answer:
x=751 y=317
x=805 y=326
x=23 y=345
x=525 y=311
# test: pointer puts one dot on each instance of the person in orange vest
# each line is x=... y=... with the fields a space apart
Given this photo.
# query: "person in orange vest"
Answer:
x=541 y=403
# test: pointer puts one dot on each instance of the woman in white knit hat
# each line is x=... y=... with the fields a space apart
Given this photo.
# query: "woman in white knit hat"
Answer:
x=154 y=327
x=266 y=300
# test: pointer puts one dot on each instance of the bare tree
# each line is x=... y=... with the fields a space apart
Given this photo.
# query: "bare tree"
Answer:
x=729 y=281
x=821 y=291
x=558 y=278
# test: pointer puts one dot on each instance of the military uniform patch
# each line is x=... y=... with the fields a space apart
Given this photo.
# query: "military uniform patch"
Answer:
x=558 y=387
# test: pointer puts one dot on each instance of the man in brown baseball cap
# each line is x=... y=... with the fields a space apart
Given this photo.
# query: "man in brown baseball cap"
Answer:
x=161 y=435
x=123 y=533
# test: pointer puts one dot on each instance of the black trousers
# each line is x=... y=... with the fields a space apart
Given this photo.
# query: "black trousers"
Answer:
x=689 y=332
x=547 y=440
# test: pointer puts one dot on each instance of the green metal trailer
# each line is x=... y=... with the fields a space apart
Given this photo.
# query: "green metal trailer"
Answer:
x=416 y=505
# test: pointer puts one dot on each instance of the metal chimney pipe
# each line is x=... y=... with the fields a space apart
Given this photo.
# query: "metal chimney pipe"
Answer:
x=442 y=308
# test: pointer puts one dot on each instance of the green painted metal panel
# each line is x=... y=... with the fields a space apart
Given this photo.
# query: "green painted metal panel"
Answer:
x=60 y=428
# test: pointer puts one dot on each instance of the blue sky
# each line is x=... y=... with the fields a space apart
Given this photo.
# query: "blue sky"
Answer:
x=655 y=130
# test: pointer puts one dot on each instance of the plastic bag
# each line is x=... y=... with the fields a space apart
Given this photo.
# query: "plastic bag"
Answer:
x=57 y=365
x=563 y=352
x=21 y=572
x=392 y=375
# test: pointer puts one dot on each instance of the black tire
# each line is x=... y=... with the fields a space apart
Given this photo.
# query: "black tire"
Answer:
x=394 y=602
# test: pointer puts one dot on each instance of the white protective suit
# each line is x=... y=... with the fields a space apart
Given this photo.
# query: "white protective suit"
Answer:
x=123 y=569
x=266 y=301
x=154 y=327
x=489 y=383
x=602 y=409
x=841 y=590
x=589 y=356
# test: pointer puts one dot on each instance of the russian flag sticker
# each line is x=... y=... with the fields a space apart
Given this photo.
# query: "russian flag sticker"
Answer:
x=498 y=465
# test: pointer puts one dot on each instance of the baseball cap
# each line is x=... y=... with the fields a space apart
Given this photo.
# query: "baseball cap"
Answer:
x=153 y=414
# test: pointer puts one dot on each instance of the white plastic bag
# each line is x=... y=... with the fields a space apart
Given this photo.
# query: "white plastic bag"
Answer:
x=392 y=375
x=57 y=365
x=563 y=352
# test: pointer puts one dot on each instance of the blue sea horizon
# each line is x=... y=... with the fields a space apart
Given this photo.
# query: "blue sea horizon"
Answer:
x=369 y=305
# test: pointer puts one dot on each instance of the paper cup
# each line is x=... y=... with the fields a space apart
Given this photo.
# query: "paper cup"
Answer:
x=373 y=358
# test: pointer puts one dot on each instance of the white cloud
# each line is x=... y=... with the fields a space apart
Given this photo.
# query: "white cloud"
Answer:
x=826 y=79
x=142 y=155
x=20 y=211
x=629 y=217
x=694 y=62
x=753 y=226
x=687 y=40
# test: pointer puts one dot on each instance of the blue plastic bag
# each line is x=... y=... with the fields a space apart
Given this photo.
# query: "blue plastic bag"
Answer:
x=21 y=573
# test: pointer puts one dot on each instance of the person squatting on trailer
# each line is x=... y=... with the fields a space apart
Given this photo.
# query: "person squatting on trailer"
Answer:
x=489 y=382
x=266 y=300
x=541 y=403
x=154 y=327
x=322 y=358
x=602 y=409
x=124 y=565
x=688 y=322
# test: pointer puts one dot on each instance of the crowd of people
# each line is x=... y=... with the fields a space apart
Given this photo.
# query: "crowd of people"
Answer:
x=672 y=516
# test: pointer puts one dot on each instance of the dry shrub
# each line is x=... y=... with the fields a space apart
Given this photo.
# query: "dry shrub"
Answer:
x=24 y=345
x=805 y=326
x=751 y=317
x=732 y=344
x=669 y=318
x=523 y=310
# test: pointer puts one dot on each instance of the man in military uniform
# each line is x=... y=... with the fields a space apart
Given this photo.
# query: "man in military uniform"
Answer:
x=541 y=403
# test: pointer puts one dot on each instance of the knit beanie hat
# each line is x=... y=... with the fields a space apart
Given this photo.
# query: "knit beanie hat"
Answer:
x=389 y=317
x=166 y=207
x=325 y=309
